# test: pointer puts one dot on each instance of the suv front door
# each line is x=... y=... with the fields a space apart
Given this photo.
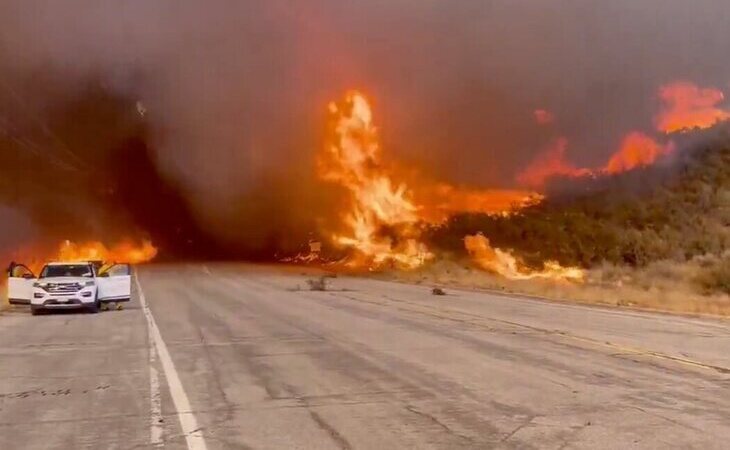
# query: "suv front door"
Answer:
x=20 y=284
x=114 y=283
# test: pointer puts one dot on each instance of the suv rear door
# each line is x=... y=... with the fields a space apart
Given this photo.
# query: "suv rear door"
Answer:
x=20 y=284
x=114 y=283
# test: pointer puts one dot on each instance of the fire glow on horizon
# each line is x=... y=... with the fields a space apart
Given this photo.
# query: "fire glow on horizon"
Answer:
x=685 y=106
x=126 y=251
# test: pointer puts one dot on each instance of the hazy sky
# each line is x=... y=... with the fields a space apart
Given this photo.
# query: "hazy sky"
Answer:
x=236 y=91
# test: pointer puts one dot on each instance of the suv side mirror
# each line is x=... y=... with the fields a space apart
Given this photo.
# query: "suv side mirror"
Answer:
x=28 y=276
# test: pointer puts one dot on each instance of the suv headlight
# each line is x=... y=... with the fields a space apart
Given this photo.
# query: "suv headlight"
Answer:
x=37 y=285
x=88 y=284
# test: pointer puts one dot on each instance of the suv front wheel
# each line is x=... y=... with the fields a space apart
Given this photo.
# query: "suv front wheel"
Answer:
x=93 y=309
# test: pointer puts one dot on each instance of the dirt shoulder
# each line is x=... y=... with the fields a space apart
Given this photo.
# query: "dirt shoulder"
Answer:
x=638 y=290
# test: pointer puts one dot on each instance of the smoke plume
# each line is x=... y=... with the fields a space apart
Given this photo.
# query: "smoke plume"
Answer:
x=197 y=123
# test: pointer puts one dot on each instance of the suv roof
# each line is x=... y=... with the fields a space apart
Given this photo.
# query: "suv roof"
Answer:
x=68 y=263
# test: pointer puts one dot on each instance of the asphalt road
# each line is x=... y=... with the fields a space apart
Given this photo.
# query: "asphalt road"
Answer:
x=240 y=357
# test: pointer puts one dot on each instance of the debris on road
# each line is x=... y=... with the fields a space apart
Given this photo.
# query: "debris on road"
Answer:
x=318 y=284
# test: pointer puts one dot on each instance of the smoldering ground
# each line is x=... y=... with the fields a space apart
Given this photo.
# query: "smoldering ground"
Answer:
x=197 y=122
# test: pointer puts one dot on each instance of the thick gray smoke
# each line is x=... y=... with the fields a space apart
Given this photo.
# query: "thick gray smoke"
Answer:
x=232 y=94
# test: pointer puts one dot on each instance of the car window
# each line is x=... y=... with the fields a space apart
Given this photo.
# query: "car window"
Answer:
x=116 y=270
x=70 y=270
x=20 y=271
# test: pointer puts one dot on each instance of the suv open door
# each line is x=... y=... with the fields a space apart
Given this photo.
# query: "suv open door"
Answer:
x=20 y=284
x=114 y=283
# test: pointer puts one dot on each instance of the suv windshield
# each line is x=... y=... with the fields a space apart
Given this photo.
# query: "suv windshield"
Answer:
x=70 y=270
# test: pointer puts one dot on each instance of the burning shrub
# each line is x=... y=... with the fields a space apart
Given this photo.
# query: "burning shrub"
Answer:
x=653 y=214
x=385 y=220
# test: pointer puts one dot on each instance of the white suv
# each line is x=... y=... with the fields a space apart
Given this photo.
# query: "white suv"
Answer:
x=69 y=285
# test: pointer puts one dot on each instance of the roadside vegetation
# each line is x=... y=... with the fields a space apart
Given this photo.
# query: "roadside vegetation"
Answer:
x=661 y=227
x=716 y=278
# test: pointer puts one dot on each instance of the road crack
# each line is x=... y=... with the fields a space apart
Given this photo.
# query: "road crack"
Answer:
x=338 y=438
x=436 y=421
x=509 y=435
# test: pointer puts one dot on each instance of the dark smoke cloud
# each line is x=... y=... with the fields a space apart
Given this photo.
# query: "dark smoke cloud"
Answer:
x=234 y=92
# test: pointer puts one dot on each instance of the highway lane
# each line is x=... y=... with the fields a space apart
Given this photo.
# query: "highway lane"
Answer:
x=263 y=362
x=74 y=380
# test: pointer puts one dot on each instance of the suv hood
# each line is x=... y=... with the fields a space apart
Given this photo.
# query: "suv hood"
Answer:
x=65 y=280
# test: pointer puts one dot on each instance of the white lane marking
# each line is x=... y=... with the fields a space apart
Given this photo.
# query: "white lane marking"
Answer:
x=156 y=429
x=188 y=423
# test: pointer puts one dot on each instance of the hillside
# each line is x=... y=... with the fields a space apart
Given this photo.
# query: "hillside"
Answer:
x=676 y=212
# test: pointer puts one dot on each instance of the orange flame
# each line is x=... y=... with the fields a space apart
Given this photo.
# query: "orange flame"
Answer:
x=383 y=221
x=439 y=201
x=124 y=252
x=353 y=160
x=688 y=106
x=637 y=149
x=383 y=224
x=551 y=163
x=507 y=265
